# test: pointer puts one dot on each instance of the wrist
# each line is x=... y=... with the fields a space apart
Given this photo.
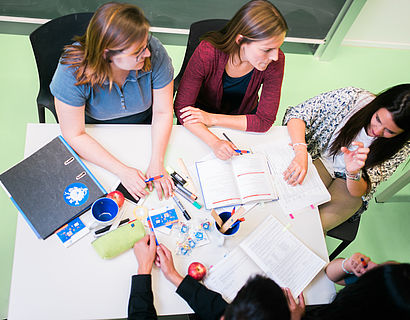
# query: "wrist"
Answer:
x=345 y=268
x=175 y=278
x=144 y=269
x=355 y=176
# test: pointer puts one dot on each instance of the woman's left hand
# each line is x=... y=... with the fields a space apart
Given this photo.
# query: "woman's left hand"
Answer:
x=355 y=159
x=191 y=115
x=164 y=184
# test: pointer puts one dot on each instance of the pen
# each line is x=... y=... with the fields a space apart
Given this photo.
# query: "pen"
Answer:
x=363 y=262
x=194 y=203
x=181 y=207
x=241 y=151
x=108 y=227
x=154 y=178
x=186 y=191
x=152 y=230
x=227 y=138
x=176 y=176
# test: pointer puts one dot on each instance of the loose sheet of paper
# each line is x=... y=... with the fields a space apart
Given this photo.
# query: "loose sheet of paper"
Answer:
x=230 y=274
x=282 y=256
x=312 y=191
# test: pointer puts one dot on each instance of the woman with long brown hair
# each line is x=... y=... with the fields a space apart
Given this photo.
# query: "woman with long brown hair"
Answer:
x=117 y=73
x=220 y=86
x=356 y=139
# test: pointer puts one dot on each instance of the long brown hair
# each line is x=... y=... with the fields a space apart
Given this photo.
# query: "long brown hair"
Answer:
x=113 y=27
x=256 y=20
x=397 y=101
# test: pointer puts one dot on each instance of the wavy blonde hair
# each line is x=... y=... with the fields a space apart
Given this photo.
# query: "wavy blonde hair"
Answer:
x=113 y=27
x=256 y=20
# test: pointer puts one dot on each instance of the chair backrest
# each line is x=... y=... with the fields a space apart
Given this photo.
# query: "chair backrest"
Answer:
x=196 y=30
x=48 y=42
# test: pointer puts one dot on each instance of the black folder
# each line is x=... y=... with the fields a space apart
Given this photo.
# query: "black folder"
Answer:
x=51 y=187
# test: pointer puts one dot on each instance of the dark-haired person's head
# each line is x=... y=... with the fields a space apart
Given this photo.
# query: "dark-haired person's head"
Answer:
x=386 y=118
x=381 y=293
x=259 y=299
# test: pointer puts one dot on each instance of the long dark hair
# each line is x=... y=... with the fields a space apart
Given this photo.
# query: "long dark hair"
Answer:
x=381 y=293
x=256 y=20
x=259 y=299
x=397 y=101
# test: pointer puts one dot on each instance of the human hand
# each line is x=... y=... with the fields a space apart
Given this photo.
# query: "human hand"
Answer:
x=223 y=149
x=297 y=309
x=191 y=115
x=296 y=172
x=355 y=159
x=164 y=184
x=145 y=252
x=134 y=181
x=166 y=263
x=357 y=263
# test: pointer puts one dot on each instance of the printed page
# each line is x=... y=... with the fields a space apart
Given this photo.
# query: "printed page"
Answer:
x=217 y=183
x=312 y=191
x=282 y=256
x=253 y=177
x=230 y=274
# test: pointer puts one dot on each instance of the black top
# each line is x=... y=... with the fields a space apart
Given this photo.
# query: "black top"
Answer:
x=206 y=303
x=234 y=90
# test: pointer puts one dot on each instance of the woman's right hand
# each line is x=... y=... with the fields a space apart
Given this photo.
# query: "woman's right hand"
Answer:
x=223 y=149
x=296 y=172
x=134 y=181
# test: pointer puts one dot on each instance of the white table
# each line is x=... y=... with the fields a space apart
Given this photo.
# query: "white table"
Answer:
x=52 y=282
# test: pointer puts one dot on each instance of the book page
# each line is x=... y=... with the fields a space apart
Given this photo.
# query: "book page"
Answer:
x=217 y=183
x=229 y=275
x=282 y=256
x=253 y=177
x=312 y=191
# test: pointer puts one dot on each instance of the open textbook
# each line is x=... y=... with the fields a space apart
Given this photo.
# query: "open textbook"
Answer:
x=239 y=180
x=312 y=191
x=271 y=250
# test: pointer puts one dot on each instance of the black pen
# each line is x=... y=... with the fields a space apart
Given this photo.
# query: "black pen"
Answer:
x=236 y=148
x=108 y=227
x=181 y=207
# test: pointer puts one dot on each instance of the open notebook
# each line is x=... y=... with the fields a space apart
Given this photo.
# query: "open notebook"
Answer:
x=271 y=250
x=241 y=179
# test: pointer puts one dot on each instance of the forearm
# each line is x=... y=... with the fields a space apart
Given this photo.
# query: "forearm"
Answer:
x=356 y=188
x=238 y=122
x=89 y=149
x=160 y=133
x=334 y=270
x=203 y=133
x=296 y=130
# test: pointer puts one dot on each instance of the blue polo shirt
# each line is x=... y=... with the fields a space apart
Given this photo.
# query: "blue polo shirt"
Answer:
x=103 y=104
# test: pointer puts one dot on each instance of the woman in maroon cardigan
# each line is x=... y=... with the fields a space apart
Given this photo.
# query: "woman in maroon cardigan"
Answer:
x=224 y=75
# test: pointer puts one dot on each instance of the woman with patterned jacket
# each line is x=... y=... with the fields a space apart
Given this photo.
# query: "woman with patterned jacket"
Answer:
x=356 y=139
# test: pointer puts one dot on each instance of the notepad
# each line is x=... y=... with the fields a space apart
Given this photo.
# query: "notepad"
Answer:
x=51 y=187
x=312 y=191
x=241 y=179
x=271 y=250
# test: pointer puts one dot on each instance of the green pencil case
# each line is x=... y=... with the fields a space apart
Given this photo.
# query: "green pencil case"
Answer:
x=120 y=240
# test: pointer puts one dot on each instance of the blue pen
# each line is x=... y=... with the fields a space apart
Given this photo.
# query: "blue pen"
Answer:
x=242 y=151
x=154 y=178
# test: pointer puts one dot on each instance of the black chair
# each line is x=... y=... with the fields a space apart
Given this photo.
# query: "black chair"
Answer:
x=48 y=42
x=196 y=30
x=346 y=232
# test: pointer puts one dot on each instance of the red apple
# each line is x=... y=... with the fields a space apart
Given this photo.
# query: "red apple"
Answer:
x=197 y=270
x=117 y=196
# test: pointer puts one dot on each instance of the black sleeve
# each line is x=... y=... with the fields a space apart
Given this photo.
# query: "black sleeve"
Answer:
x=206 y=303
x=141 y=303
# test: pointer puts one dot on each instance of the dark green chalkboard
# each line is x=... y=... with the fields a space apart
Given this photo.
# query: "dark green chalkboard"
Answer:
x=310 y=19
